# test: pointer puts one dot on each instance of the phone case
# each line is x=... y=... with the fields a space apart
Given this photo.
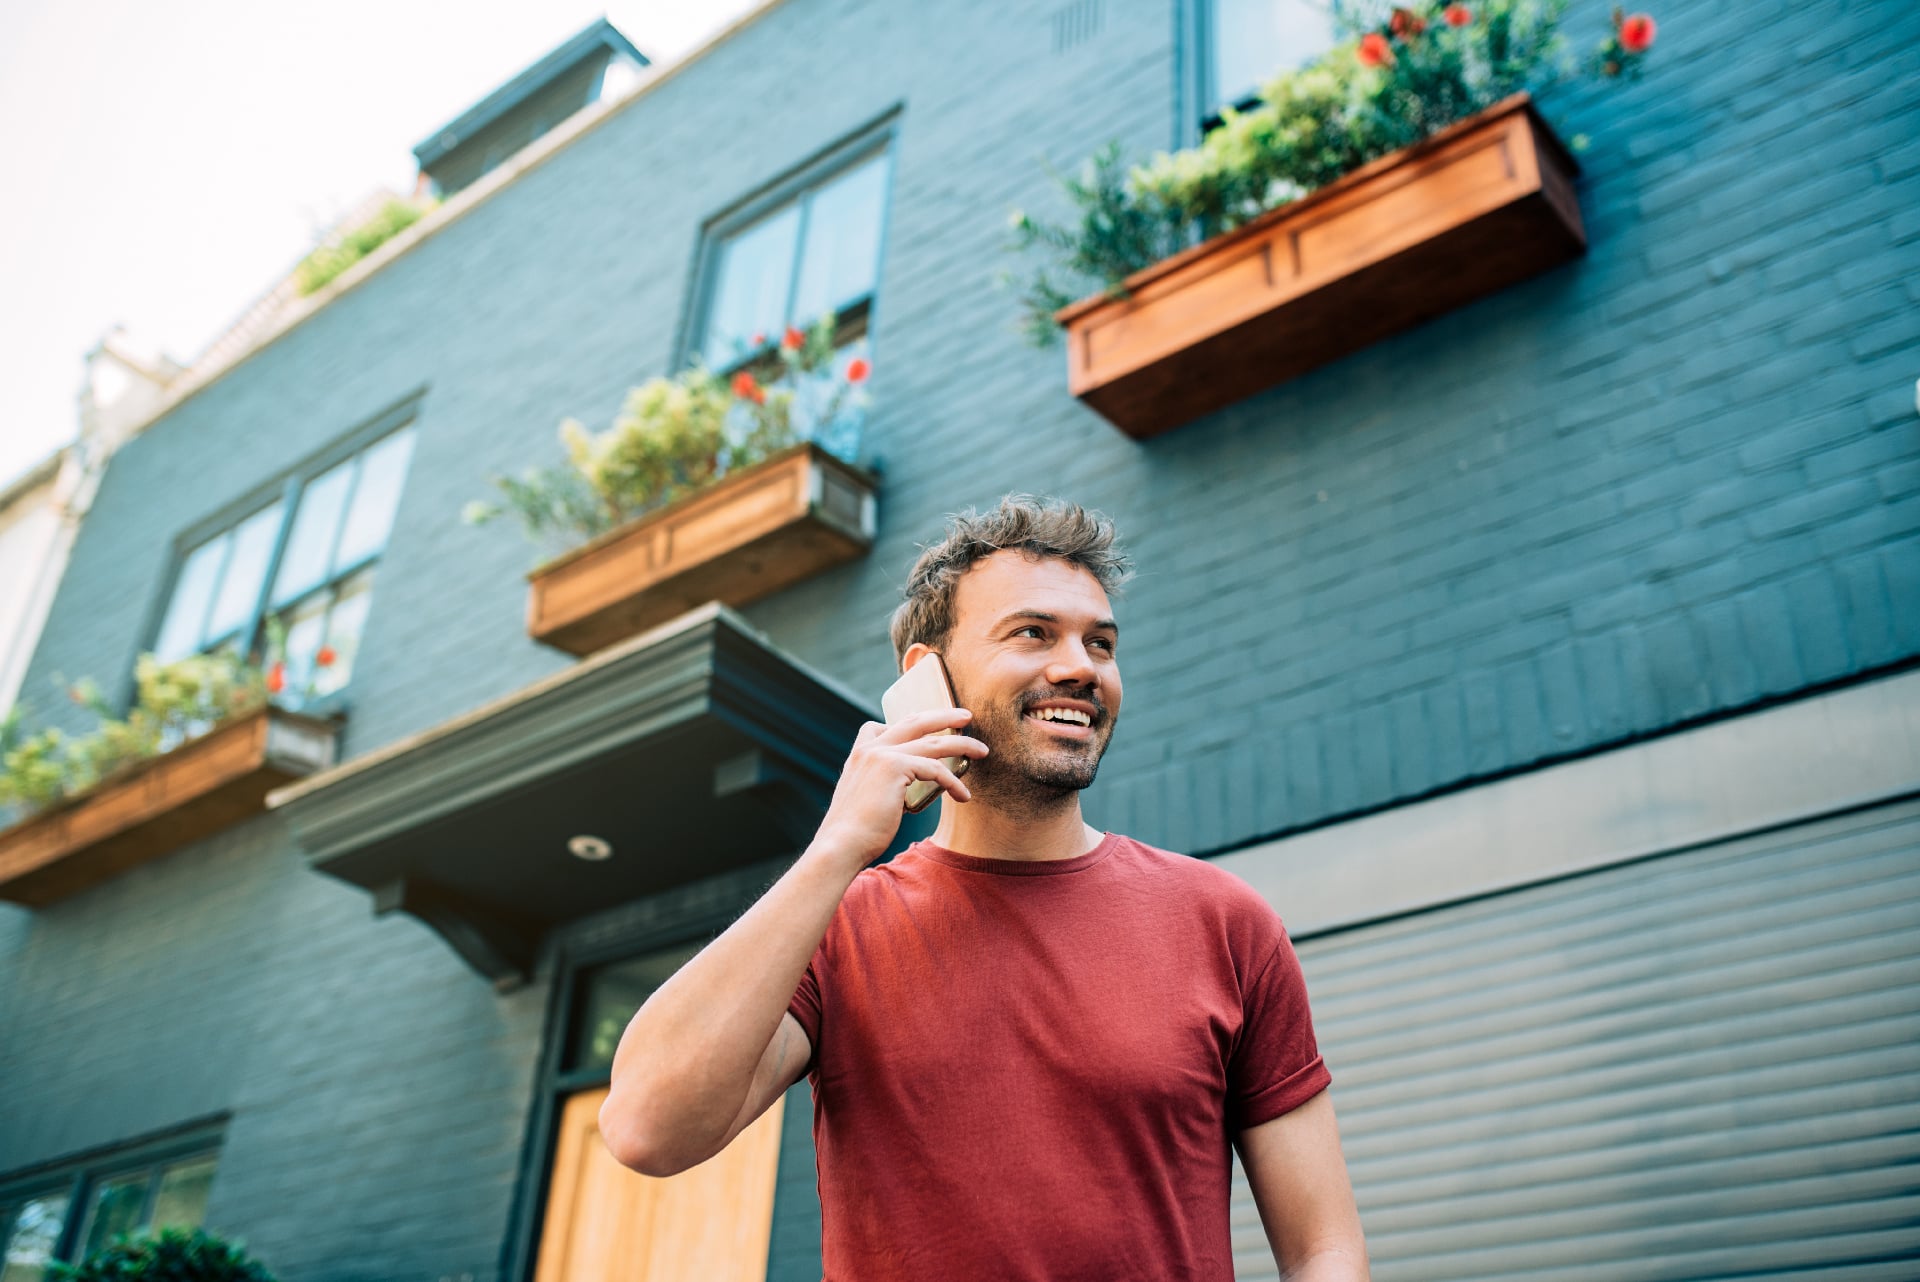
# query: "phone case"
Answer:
x=924 y=687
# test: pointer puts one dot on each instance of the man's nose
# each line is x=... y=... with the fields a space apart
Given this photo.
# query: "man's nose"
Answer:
x=1070 y=664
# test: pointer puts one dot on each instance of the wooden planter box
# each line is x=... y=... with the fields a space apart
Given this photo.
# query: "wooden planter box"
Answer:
x=1483 y=204
x=155 y=806
x=755 y=532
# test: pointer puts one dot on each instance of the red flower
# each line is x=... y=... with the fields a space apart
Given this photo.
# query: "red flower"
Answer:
x=276 y=677
x=1457 y=15
x=1374 y=50
x=759 y=337
x=858 y=369
x=792 y=339
x=1405 y=22
x=1637 y=32
x=325 y=656
x=748 y=389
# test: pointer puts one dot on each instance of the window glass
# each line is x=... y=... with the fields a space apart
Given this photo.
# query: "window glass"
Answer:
x=345 y=620
x=753 y=278
x=383 y=469
x=182 y=1199
x=30 y=1236
x=306 y=626
x=310 y=547
x=1254 y=39
x=611 y=994
x=117 y=1204
x=246 y=572
x=192 y=593
x=842 y=250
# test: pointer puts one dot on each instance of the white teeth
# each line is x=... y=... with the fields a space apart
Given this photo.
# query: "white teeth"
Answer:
x=1073 y=715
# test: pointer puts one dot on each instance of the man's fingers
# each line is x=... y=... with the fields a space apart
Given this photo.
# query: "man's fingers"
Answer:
x=944 y=745
x=921 y=723
x=929 y=769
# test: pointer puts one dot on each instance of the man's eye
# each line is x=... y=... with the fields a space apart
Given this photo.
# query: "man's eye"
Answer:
x=1104 y=643
x=1031 y=627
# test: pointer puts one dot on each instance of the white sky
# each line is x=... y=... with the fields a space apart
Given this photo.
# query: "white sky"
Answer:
x=166 y=162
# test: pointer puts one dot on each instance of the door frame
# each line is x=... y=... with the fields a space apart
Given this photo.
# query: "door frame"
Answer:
x=665 y=920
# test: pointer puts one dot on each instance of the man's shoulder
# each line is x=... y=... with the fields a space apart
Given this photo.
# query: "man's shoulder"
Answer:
x=1195 y=876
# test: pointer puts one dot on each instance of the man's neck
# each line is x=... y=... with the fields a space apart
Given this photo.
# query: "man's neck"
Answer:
x=975 y=828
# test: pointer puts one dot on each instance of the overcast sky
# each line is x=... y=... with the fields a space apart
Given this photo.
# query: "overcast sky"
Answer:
x=166 y=162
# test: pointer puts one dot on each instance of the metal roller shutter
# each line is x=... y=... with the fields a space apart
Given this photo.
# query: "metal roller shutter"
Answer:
x=1700 y=1065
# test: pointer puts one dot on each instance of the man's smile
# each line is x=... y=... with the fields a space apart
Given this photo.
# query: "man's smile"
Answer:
x=1064 y=718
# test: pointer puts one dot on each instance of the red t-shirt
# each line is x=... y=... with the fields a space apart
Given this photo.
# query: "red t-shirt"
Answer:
x=1032 y=1070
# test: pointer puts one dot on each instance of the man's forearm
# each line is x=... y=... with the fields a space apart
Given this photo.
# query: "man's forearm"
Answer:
x=685 y=1064
x=1335 y=1264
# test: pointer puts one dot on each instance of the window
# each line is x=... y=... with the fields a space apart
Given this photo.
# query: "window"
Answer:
x=809 y=253
x=308 y=579
x=69 y=1213
x=1240 y=44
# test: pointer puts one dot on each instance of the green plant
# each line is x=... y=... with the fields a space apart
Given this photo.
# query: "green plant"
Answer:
x=344 y=247
x=1399 y=74
x=675 y=436
x=171 y=1255
x=173 y=702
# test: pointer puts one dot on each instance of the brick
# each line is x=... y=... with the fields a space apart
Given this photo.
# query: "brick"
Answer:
x=1813 y=507
x=1819 y=624
x=1900 y=564
x=1869 y=454
x=1866 y=610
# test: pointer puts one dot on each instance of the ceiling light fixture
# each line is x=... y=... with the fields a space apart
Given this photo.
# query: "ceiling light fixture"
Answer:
x=593 y=849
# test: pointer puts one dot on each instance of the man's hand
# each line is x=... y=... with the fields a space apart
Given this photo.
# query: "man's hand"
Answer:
x=703 y=1056
x=871 y=796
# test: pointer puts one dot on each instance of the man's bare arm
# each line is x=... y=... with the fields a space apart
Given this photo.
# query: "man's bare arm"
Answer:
x=704 y=1046
x=1300 y=1184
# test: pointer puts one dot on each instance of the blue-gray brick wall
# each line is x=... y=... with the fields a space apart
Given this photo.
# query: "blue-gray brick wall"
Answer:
x=1674 y=479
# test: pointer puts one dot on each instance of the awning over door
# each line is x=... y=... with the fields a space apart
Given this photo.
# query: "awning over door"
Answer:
x=690 y=750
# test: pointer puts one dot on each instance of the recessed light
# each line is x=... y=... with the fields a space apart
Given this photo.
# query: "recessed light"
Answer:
x=594 y=849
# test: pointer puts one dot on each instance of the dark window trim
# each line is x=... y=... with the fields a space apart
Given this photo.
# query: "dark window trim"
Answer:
x=702 y=910
x=81 y=1173
x=286 y=486
x=876 y=136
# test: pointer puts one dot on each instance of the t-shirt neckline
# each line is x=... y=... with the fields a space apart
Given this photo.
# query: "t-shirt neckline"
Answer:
x=1016 y=867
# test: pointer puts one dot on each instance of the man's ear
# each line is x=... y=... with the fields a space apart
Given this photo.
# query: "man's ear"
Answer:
x=914 y=654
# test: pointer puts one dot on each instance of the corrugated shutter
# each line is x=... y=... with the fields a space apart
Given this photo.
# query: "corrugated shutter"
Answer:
x=1702 y=1065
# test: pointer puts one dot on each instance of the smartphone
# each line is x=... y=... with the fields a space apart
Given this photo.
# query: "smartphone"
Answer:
x=924 y=687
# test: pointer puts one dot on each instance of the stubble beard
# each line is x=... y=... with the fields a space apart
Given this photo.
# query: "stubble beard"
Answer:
x=1023 y=774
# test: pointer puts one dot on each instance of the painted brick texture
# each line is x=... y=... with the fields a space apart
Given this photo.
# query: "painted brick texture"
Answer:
x=1674 y=479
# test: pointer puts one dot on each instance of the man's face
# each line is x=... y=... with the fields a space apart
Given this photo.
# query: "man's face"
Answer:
x=1033 y=657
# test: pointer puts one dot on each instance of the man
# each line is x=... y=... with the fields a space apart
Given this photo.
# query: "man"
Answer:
x=1030 y=1042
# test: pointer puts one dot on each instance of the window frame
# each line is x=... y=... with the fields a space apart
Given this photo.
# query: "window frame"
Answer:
x=876 y=138
x=81 y=1175
x=1193 y=55
x=286 y=488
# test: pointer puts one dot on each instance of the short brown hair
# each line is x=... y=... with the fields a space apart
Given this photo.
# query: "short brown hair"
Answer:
x=1036 y=527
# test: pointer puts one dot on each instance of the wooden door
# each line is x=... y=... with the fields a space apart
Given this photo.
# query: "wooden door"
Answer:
x=606 y=1223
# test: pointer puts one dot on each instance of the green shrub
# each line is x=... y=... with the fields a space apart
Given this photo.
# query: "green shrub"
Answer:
x=676 y=436
x=345 y=248
x=174 y=702
x=172 y=1255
